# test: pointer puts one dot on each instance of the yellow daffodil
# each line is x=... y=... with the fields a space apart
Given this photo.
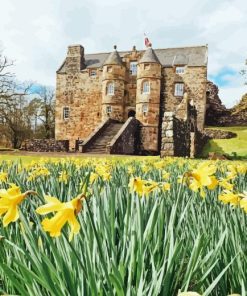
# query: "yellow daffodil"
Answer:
x=131 y=170
x=166 y=186
x=243 y=202
x=137 y=185
x=165 y=175
x=225 y=184
x=9 y=202
x=202 y=177
x=63 y=178
x=3 y=177
x=93 y=177
x=229 y=197
x=66 y=212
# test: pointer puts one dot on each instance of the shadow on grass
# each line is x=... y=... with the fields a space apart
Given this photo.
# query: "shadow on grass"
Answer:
x=212 y=147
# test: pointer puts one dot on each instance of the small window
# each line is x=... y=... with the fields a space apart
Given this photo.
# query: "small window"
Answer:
x=108 y=109
x=66 y=113
x=133 y=68
x=109 y=69
x=92 y=73
x=179 y=89
x=110 y=88
x=146 y=66
x=180 y=70
x=145 y=109
x=146 y=87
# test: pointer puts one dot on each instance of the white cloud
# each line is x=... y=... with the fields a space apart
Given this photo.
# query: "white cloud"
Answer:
x=36 y=33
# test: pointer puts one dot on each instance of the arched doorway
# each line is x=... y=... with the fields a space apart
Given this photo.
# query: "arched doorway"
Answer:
x=131 y=113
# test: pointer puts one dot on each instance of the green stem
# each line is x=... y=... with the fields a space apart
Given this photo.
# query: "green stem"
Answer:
x=100 y=249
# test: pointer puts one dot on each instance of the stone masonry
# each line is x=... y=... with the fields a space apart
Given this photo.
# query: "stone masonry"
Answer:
x=151 y=85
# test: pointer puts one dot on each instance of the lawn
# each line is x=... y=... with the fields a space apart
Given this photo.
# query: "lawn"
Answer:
x=235 y=146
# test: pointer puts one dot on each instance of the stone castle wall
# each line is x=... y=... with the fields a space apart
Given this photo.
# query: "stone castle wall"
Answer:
x=195 y=82
x=86 y=97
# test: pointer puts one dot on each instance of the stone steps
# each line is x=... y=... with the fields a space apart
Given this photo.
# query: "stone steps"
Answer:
x=99 y=145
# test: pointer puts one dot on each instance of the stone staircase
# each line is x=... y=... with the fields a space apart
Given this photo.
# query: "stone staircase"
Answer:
x=100 y=143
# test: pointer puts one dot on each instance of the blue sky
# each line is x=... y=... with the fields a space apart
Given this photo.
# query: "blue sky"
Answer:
x=36 y=33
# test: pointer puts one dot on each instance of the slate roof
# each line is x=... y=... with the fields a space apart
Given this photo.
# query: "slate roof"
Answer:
x=113 y=59
x=149 y=56
x=168 y=57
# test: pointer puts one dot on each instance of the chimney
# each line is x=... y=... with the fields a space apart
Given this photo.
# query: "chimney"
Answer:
x=75 y=61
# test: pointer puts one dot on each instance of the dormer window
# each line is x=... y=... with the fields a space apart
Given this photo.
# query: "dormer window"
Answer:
x=180 y=70
x=92 y=73
x=146 y=87
x=110 y=88
x=133 y=68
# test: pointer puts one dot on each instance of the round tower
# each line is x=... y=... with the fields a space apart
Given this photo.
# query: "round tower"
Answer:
x=148 y=98
x=113 y=85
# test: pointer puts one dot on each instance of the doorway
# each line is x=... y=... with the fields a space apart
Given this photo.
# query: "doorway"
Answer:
x=131 y=113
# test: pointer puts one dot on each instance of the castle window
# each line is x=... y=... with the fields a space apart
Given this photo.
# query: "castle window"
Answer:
x=180 y=70
x=92 y=73
x=109 y=69
x=145 y=109
x=146 y=87
x=110 y=88
x=65 y=112
x=146 y=66
x=133 y=68
x=179 y=89
x=108 y=109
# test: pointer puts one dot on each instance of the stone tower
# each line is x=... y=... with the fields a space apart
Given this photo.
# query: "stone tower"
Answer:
x=113 y=86
x=148 y=98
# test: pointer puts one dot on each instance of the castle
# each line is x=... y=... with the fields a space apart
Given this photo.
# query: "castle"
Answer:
x=138 y=101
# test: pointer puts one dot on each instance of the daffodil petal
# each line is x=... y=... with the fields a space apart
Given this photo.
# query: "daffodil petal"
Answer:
x=11 y=216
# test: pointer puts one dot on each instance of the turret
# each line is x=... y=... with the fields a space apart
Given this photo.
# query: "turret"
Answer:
x=113 y=85
x=148 y=98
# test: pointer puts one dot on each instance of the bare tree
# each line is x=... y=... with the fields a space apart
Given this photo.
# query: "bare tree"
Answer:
x=14 y=122
x=45 y=110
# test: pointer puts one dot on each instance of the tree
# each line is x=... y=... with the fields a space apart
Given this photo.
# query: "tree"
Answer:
x=43 y=108
x=14 y=121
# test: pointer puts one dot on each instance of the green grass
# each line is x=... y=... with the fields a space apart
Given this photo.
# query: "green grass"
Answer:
x=235 y=146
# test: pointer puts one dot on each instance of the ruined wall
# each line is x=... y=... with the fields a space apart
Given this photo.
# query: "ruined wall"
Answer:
x=194 y=79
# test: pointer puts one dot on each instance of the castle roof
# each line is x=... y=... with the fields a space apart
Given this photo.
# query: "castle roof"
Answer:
x=149 y=56
x=113 y=59
x=168 y=57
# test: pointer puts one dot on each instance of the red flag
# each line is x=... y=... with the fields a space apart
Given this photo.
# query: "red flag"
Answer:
x=147 y=42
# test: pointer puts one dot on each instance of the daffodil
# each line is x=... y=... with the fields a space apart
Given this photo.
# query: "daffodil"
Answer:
x=137 y=185
x=201 y=177
x=9 y=202
x=243 y=202
x=165 y=175
x=3 y=177
x=229 y=197
x=66 y=212
x=93 y=177
x=225 y=184
x=63 y=178
x=166 y=186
